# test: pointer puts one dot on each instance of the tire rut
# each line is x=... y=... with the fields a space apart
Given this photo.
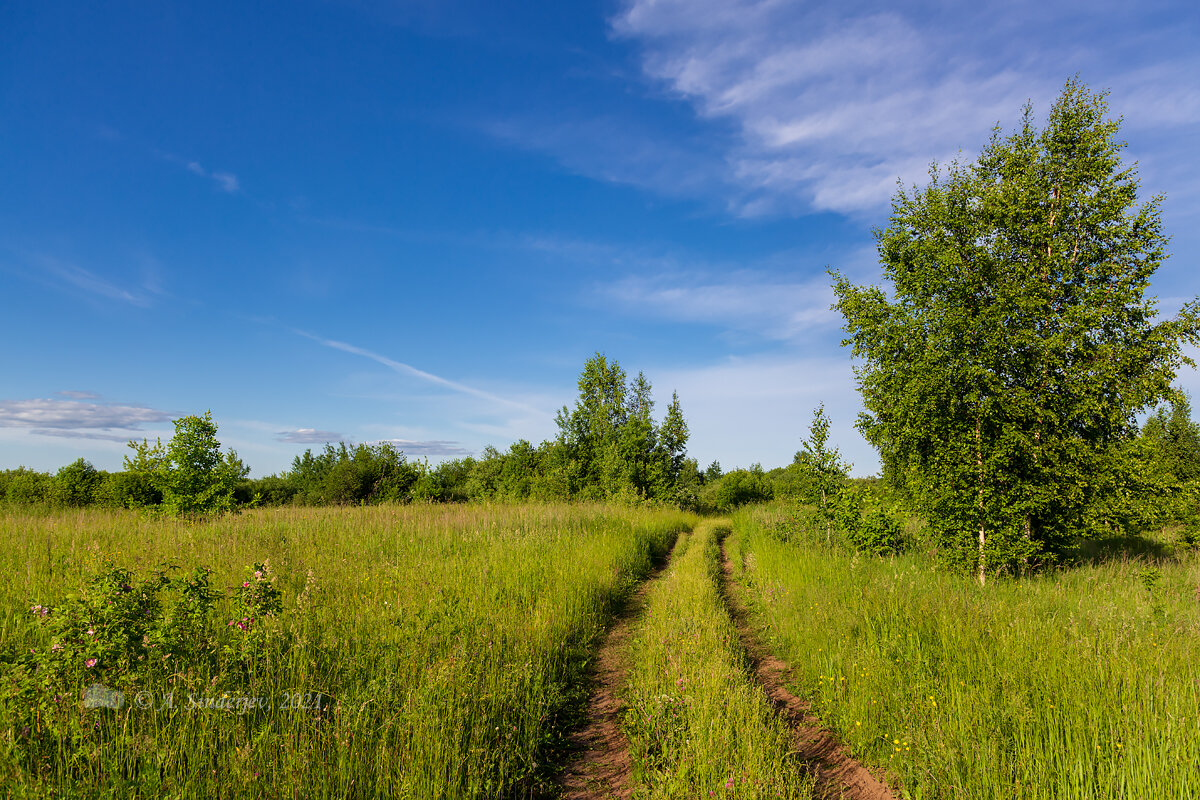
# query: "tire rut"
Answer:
x=839 y=776
x=600 y=767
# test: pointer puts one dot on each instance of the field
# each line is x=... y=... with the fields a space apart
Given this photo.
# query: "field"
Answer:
x=451 y=651
x=1078 y=684
x=419 y=651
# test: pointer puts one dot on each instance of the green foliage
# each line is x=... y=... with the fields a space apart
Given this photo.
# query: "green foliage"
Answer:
x=737 y=488
x=352 y=475
x=1174 y=439
x=190 y=473
x=77 y=484
x=25 y=487
x=612 y=447
x=1019 y=343
x=119 y=641
x=823 y=469
x=129 y=489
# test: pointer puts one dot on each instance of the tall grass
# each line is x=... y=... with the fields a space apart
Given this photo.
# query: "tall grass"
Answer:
x=1077 y=684
x=698 y=727
x=451 y=640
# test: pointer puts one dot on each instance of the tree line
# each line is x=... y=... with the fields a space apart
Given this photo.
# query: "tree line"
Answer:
x=609 y=447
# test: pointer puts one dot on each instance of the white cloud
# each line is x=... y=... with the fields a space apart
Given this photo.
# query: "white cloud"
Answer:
x=745 y=301
x=75 y=416
x=833 y=103
x=308 y=436
x=435 y=447
x=83 y=434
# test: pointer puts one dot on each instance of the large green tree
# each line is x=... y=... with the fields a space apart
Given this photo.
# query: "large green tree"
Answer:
x=1018 y=343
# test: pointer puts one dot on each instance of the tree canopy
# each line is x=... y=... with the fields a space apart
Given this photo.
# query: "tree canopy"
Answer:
x=189 y=472
x=1018 y=342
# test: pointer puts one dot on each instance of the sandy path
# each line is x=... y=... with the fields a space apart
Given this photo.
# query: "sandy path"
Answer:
x=600 y=768
x=838 y=775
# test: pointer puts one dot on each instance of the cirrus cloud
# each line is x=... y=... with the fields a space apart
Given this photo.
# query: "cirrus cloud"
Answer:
x=832 y=104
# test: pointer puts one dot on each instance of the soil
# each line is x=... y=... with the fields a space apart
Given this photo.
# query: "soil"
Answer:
x=838 y=774
x=600 y=768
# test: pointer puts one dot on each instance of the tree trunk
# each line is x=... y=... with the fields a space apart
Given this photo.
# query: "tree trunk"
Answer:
x=828 y=521
x=982 y=571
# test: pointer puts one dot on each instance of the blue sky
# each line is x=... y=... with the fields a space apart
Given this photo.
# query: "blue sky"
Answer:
x=414 y=221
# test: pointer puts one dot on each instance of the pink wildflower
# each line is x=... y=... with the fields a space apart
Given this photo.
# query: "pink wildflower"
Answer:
x=91 y=662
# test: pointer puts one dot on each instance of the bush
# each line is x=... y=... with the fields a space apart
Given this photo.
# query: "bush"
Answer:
x=128 y=490
x=77 y=484
x=24 y=486
x=737 y=488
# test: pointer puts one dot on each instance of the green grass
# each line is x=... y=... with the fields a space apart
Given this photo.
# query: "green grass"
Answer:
x=698 y=727
x=452 y=640
x=1076 y=684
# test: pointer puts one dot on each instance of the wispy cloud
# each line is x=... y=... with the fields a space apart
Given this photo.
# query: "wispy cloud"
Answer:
x=411 y=371
x=75 y=417
x=90 y=283
x=427 y=448
x=225 y=181
x=83 y=434
x=745 y=301
x=616 y=150
x=308 y=436
x=832 y=104
x=73 y=395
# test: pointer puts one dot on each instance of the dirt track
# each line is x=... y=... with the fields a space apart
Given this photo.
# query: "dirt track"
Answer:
x=600 y=768
x=838 y=774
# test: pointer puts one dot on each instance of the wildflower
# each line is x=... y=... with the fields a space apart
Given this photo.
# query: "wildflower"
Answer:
x=729 y=783
x=258 y=575
x=56 y=647
x=245 y=584
x=91 y=631
x=91 y=662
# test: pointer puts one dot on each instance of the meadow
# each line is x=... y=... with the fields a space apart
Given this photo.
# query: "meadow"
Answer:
x=401 y=651
x=420 y=651
x=1079 y=683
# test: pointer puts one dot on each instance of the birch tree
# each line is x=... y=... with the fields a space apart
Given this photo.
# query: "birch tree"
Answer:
x=1018 y=342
